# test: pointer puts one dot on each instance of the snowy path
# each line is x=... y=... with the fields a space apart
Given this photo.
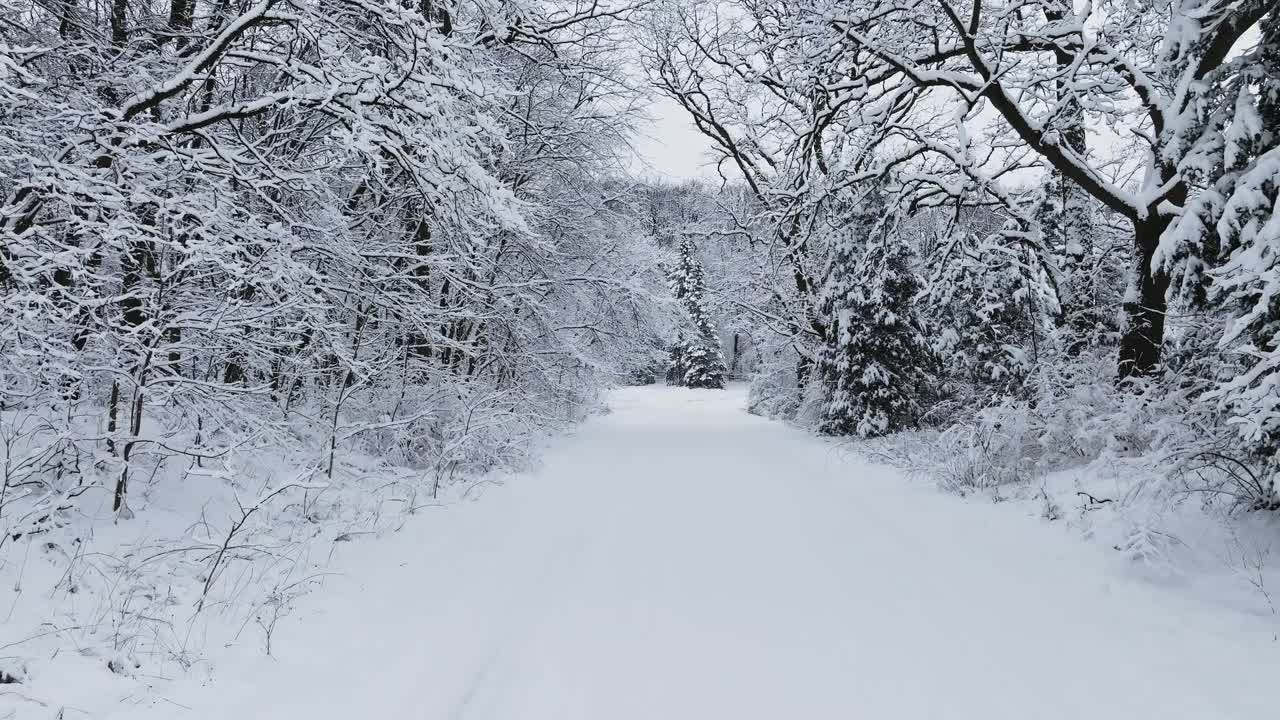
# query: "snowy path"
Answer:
x=681 y=560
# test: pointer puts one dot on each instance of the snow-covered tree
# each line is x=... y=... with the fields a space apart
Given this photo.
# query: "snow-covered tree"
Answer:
x=876 y=366
x=1223 y=248
x=1068 y=220
x=357 y=224
x=696 y=360
x=1039 y=69
x=982 y=311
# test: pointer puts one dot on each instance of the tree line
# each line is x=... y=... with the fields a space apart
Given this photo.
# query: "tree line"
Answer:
x=232 y=225
x=961 y=206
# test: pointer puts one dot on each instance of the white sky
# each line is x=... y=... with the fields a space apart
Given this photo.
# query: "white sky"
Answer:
x=671 y=147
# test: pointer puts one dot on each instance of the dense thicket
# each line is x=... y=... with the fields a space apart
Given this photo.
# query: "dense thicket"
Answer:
x=228 y=224
x=714 y=271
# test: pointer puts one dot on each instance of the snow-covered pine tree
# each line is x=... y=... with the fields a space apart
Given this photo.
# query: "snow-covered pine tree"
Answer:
x=983 y=330
x=876 y=366
x=696 y=361
x=1223 y=249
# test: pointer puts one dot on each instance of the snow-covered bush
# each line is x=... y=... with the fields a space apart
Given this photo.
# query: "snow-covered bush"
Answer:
x=774 y=392
x=1077 y=418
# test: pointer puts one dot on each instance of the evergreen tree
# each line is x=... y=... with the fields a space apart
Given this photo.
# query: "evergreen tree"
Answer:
x=696 y=361
x=1224 y=250
x=1068 y=227
x=980 y=300
x=876 y=365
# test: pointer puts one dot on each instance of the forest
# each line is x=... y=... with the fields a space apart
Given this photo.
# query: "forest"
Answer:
x=1047 y=232
x=277 y=269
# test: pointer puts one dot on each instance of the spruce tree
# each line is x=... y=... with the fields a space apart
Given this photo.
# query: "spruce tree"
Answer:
x=876 y=365
x=696 y=361
x=982 y=303
x=1224 y=251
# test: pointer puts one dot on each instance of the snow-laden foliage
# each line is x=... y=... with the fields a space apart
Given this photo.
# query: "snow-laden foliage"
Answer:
x=714 y=274
x=1223 y=249
x=876 y=365
x=354 y=214
x=967 y=101
x=985 y=312
x=322 y=229
x=1088 y=193
x=696 y=360
x=1088 y=282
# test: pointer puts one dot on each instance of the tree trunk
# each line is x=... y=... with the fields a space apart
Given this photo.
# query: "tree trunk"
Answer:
x=420 y=342
x=119 y=23
x=1146 y=304
x=733 y=367
x=181 y=15
x=804 y=370
x=113 y=414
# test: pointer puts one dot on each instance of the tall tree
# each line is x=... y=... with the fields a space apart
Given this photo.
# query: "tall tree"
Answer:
x=876 y=367
x=982 y=303
x=696 y=360
x=1223 y=251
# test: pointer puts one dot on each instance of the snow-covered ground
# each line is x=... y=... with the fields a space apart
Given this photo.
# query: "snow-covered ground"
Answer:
x=679 y=558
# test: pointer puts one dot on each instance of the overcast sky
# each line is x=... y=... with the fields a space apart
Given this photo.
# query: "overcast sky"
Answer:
x=670 y=147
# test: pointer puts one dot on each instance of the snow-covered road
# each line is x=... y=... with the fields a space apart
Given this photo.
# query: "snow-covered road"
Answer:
x=679 y=559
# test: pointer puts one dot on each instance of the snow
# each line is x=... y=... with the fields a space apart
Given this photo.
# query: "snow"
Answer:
x=678 y=558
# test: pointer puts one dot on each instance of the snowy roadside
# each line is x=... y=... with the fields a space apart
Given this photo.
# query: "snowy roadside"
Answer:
x=99 y=612
x=680 y=559
x=138 y=616
x=1181 y=539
